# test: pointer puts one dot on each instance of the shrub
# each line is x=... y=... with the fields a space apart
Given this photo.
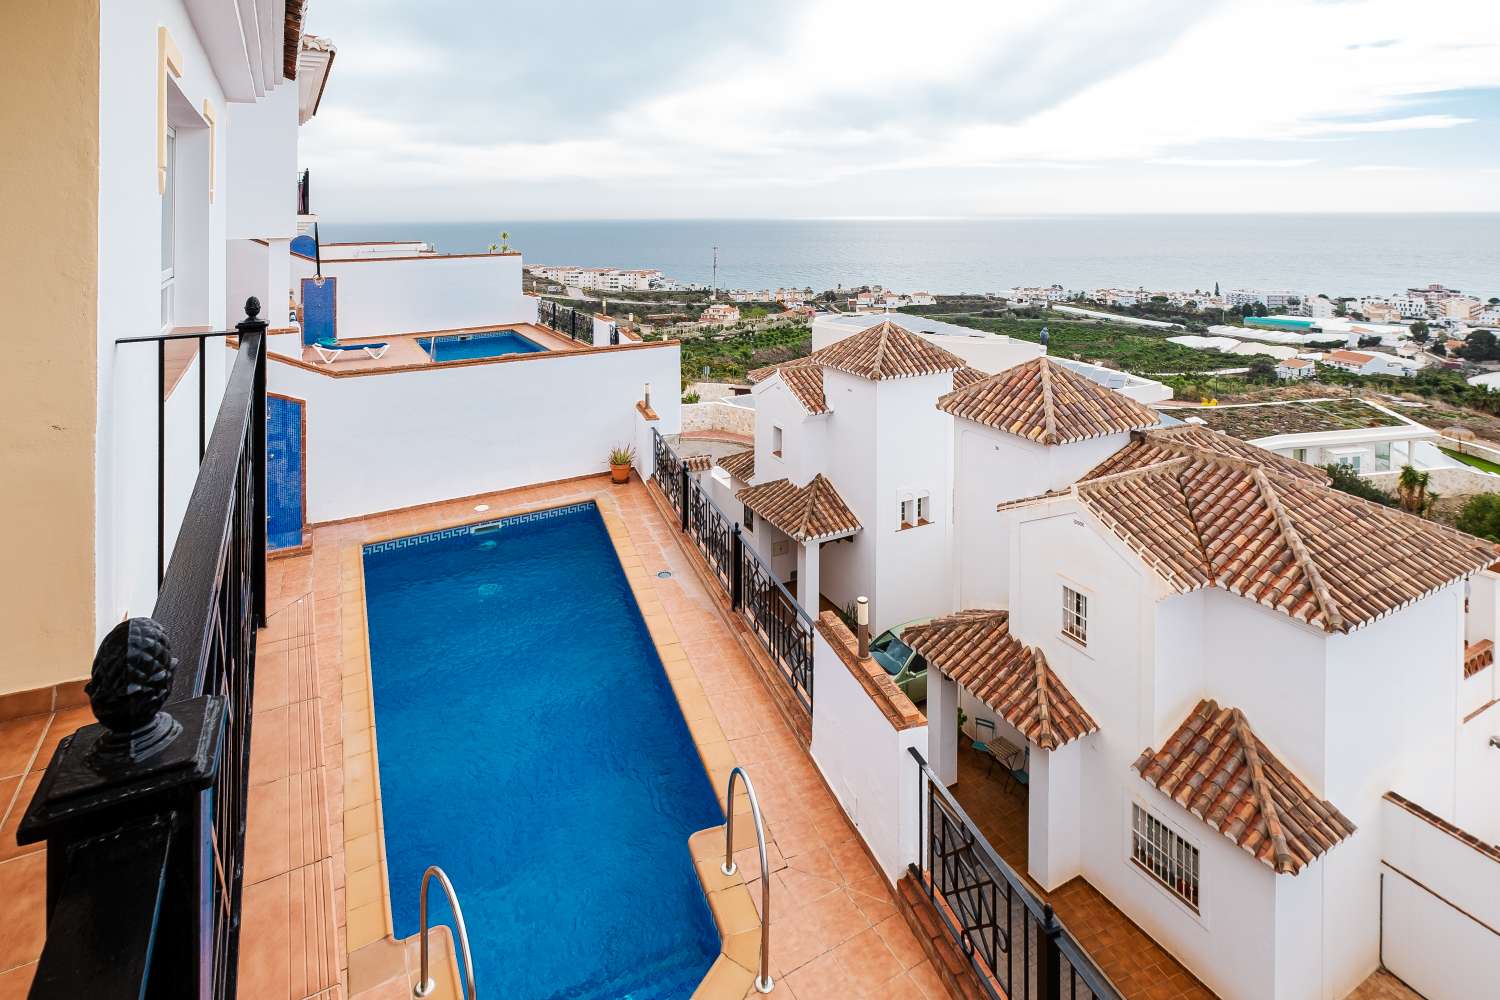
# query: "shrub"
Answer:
x=1346 y=479
x=1481 y=516
x=691 y=397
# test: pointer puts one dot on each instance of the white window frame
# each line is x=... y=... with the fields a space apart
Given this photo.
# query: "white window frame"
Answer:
x=1075 y=619
x=924 y=508
x=169 y=235
x=1190 y=855
x=777 y=439
x=908 y=517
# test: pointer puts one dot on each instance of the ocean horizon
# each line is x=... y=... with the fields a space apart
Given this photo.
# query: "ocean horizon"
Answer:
x=1336 y=254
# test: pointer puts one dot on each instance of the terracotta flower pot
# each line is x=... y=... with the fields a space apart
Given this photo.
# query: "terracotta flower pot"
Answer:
x=619 y=473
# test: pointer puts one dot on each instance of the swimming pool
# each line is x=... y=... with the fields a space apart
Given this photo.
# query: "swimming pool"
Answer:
x=461 y=346
x=530 y=743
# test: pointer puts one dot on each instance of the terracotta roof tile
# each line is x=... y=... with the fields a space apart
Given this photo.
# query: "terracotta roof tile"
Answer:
x=806 y=513
x=884 y=351
x=976 y=649
x=1190 y=440
x=802 y=377
x=1049 y=403
x=1311 y=552
x=740 y=465
x=291 y=43
x=966 y=376
x=1477 y=656
x=1216 y=768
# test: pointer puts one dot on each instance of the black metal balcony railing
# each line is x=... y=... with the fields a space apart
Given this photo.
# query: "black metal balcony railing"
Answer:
x=782 y=626
x=304 y=193
x=144 y=812
x=571 y=323
x=1014 y=942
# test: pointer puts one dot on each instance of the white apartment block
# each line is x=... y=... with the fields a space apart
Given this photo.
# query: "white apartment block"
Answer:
x=1249 y=296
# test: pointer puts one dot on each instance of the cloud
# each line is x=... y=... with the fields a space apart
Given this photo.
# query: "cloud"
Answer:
x=857 y=107
x=1183 y=161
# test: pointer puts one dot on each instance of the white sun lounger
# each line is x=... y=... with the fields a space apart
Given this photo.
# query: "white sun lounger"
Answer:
x=329 y=353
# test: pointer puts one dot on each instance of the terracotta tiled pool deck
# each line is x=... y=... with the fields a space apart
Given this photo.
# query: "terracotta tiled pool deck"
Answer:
x=835 y=929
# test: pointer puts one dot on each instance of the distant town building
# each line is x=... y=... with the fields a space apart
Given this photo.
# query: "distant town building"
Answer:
x=720 y=314
x=1317 y=307
x=604 y=279
x=1459 y=307
x=1363 y=363
x=1250 y=296
x=1296 y=368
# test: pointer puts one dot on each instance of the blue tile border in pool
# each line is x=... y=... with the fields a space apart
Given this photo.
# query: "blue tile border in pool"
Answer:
x=442 y=534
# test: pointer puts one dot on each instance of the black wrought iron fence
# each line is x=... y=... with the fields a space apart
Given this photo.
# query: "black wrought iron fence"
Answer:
x=783 y=627
x=144 y=812
x=572 y=323
x=1015 y=943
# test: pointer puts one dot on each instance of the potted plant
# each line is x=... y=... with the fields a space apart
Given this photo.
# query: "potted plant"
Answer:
x=621 y=458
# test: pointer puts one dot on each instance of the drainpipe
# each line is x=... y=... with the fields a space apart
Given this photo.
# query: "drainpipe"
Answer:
x=862 y=625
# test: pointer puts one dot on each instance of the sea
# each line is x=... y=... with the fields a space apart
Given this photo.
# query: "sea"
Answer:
x=1330 y=254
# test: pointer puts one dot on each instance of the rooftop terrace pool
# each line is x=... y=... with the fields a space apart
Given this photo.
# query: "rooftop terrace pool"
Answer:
x=464 y=346
x=530 y=744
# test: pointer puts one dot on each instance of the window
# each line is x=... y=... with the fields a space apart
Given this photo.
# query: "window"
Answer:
x=169 y=232
x=776 y=441
x=1383 y=456
x=1075 y=616
x=1351 y=462
x=749 y=519
x=924 y=508
x=908 y=512
x=1300 y=454
x=1164 y=855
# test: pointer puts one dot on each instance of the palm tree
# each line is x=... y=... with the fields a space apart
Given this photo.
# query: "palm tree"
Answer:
x=1411 y=490
x=503 y=246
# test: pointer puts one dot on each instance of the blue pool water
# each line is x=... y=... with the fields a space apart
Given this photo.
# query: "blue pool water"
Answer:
x=1279 y=322
x=460 y=346
x=531 y=745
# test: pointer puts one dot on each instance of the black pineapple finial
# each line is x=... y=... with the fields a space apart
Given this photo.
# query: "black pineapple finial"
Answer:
x=130 y=682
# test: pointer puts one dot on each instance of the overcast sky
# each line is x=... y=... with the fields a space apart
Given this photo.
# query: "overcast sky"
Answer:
x=488 y=109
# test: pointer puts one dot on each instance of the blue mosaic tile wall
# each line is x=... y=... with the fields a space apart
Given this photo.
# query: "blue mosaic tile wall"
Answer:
x=469 y=529
x=283 y=472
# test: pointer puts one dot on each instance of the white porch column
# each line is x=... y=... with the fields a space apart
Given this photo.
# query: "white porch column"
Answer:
x=942 y=726
x=1054 y=800
x=807 y=577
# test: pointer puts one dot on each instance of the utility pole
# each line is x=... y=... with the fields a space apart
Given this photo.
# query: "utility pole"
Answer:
x=715 y=294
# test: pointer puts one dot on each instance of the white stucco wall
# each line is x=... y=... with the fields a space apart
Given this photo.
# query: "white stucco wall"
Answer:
x=129 y=279
x=262 y=174
x=990 y=468
x=380 y=442
x=380 y=296
x=866 y=761
x=1439 y=935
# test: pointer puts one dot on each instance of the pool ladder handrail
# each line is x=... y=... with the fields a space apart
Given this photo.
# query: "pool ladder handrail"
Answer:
x=425 y=983
x=763 y=983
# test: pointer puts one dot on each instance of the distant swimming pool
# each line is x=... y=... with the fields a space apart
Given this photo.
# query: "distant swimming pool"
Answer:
x=461 y=346
x=1279 y=322
x=530 y=743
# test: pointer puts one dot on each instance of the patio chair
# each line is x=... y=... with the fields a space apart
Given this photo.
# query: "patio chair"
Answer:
x=330 y=351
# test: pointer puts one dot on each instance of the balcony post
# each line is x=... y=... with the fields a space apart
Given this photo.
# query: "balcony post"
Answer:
x=252 y=326
x=117 y=808
x=736 y=575
x=1049 y=960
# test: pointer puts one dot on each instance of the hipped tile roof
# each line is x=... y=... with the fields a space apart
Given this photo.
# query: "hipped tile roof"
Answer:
x=1048 y=403
x=884 y=351
x=740 y=465
x=966 y=376
x=1311 y=552
x=803 y=378
x=1191 y=440
x=1216 y=768
x=806 y=513
x=976 y=649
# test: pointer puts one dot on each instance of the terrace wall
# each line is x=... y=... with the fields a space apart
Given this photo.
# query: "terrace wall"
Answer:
x=381 y=296
x=386 y=440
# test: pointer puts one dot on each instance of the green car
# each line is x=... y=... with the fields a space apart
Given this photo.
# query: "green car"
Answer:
x=905 y=665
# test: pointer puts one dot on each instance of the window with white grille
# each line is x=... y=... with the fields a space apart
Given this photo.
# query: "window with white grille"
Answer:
x=1075 y=616
x=1164 y=855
